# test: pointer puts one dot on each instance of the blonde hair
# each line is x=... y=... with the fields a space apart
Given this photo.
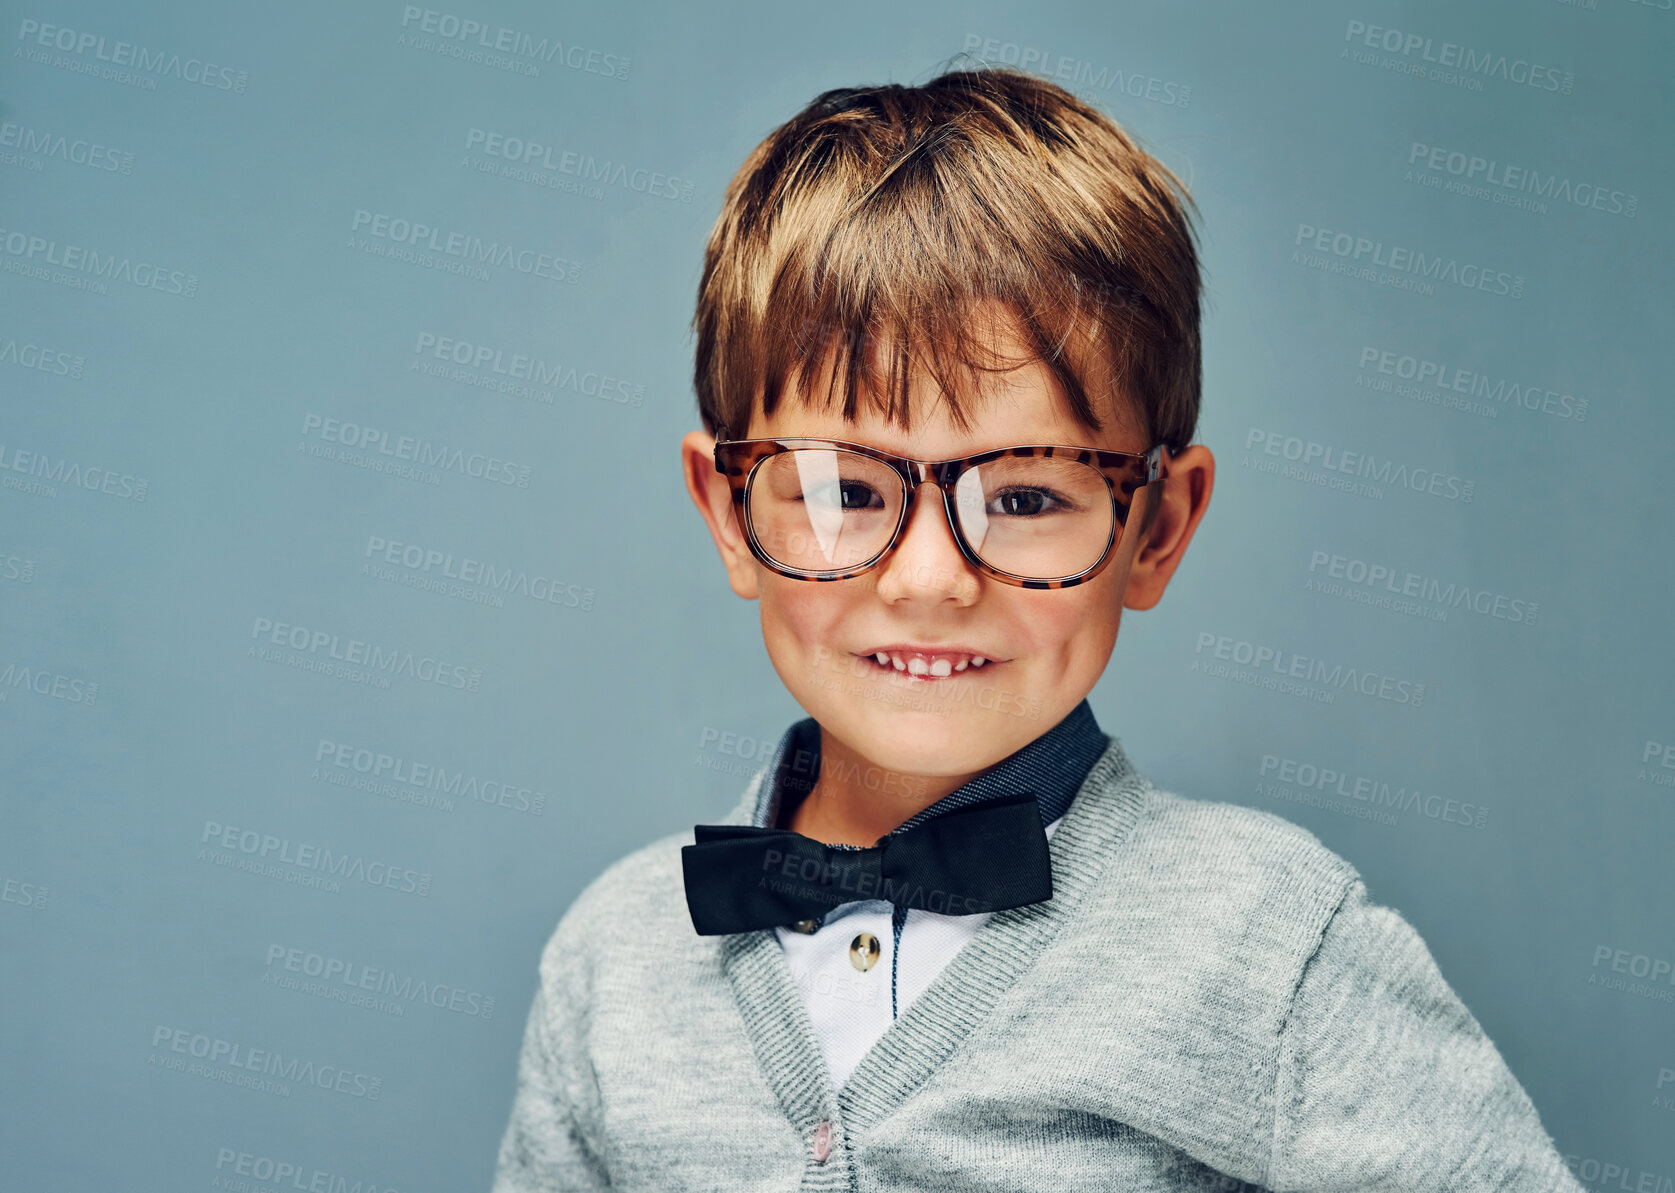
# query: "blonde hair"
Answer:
x=866 y=232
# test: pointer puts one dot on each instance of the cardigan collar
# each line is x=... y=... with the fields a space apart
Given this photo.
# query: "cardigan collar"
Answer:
x=1105 y=809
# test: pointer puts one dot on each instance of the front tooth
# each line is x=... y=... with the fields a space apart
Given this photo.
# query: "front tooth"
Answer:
x=917 y=666
x=961 y=665
x=895 y=661
x=883 y=659
x=942 y=667
x=978 y=660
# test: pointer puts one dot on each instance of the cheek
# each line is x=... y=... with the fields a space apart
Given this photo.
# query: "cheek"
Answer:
x=799 y=614
x=1064 y=620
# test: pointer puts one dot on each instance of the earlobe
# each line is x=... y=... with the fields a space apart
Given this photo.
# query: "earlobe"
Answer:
x=1183 y=496
x=710 y=492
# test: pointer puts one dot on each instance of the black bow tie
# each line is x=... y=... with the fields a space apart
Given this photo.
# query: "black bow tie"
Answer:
x=986 y=856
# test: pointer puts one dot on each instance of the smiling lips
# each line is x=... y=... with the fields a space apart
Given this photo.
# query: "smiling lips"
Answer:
x=925 y=664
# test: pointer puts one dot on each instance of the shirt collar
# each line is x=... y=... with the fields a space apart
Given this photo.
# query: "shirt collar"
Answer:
x=1052 y=767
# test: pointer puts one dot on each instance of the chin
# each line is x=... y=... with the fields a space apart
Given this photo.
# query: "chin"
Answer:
x=921 y=734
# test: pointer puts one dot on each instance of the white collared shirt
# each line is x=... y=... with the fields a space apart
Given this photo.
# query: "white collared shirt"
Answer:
x=850 y=1007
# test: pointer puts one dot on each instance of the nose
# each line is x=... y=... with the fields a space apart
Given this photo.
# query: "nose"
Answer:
x=926 y=564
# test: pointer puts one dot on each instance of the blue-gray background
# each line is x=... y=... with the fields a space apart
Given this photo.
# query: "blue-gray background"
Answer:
x=177 y=490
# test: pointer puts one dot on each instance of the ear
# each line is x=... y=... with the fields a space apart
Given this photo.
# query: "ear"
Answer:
x=713 y=496
x=1182 y=495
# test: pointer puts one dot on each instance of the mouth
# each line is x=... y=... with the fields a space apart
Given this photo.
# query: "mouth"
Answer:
x=926 y=664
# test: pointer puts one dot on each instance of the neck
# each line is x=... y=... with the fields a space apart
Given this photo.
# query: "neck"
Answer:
x=855 y=801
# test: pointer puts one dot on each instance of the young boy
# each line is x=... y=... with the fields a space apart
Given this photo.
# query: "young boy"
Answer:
x=949 y=938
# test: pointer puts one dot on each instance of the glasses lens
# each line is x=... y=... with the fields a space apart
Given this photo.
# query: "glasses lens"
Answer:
x=820 y=510
x=1035 y=516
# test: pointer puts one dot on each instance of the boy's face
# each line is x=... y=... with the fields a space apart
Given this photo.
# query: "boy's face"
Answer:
x=1045 y=648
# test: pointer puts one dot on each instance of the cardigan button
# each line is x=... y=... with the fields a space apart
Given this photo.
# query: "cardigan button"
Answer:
x=822 y=1141
x=863 y=951
x=806 y=927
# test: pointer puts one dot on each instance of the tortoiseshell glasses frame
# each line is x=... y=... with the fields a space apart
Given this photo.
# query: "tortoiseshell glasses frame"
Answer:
x=1125 y=473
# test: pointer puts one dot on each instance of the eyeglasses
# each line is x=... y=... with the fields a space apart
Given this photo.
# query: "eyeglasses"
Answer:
x=1033 y=516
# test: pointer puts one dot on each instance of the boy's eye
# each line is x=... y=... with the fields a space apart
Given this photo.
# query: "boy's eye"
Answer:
x=848 y=495
x=1023 y=503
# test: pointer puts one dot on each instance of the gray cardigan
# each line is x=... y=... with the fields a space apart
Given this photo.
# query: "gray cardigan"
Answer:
x=1208 y=1002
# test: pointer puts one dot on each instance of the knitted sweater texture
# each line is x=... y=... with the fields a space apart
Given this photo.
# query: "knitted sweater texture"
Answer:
x=1209 y=1002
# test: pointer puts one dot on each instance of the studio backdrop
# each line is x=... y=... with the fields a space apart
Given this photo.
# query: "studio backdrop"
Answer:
x=353 y=614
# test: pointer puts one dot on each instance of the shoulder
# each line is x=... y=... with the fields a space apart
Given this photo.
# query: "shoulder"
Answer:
x=636 y=907
x=634 y=888
x=1246 y=849
x=1240 y=896
x=638 y=902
